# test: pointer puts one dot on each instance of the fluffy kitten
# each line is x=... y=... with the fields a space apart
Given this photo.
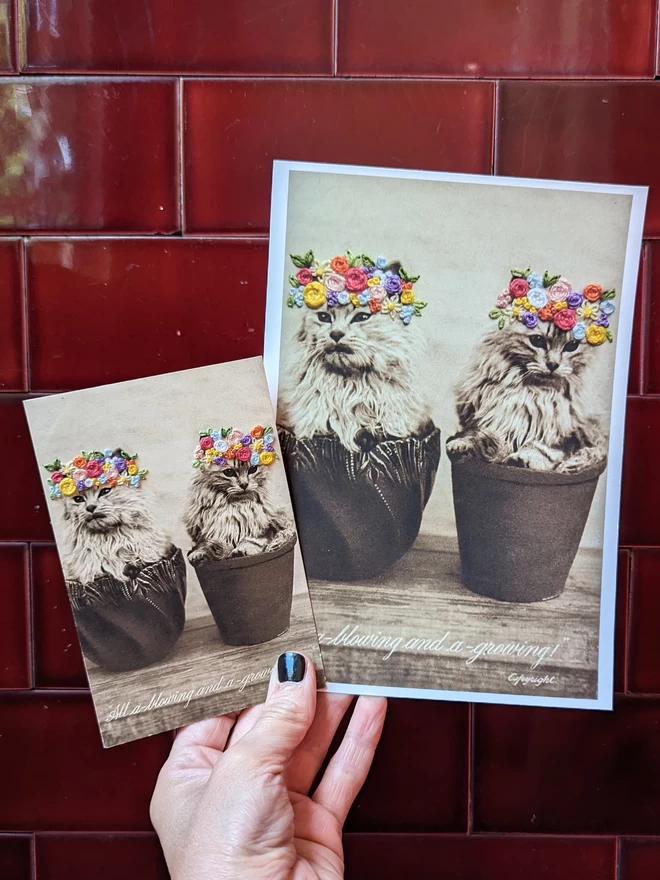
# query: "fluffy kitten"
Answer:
x=110 y=531
x=521 y=402
x=355 y=378
x=230 y=513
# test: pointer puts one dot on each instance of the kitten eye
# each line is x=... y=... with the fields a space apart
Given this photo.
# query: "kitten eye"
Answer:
x=105 y=491
x=230 y=472
x=360 y=318
x=571 y=346
x=252 y=469
x=78 y=499
x=324 y=317
x=538 y=341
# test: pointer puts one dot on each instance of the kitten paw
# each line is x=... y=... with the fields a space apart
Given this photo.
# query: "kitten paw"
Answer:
x=460 y=446
x=207 y=553
x=583 y=459
x=529 y=458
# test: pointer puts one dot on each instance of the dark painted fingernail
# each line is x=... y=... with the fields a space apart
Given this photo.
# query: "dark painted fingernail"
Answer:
x=291 y=667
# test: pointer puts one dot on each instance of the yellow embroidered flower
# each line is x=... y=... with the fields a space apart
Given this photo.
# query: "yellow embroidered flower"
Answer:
x=588 y=311
x=407 y=297
x=314 y=294
x=67 y=486
x=389 y=306
x=267 y=458
x=107 y=466
x=132 y=469
x=516 y=312
x=558 y=306
x=596 y=335
x=321 y=269
x=354 y=299
x=237 y=446
x=258 y=445
x=518 y=301
x=525 y=303
x=532 y=309
x=373 y=281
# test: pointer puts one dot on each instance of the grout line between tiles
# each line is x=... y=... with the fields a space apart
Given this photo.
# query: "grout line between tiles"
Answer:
x=335 y=36
x=26 y=315
x=30 y=619
x=496 y=127
x=33 y=856
x=617 y=858
x=629 y=604
x=470 y=779
x=645 y=293
x=179 y=140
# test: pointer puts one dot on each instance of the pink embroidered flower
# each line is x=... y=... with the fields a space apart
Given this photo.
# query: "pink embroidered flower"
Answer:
x=57 y=476
x=206 y=442
x=565 y=319
x=244 y=453
x=356 y=280
x=334 y=281
x=94 y=468
x=304 y=276
x=560 y=290
x=378 y=293
x=234 y=437
x=518 y=287
x=503 y=300
x=79 y=475
x=111 y=474
x=199 y=453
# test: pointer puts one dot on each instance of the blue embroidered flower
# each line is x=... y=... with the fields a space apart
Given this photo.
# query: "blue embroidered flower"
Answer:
x=364 y=298
x=222 y=446
x=89 y=483
x=54 y=492
x=534 y=280
x=343 y=297
x=135 y=481
x=293 y=291
x=608 y=307
x=407 y=313
x=255 y=458
x=579 y=331
x=299 y=300
x=537 y=297
x=107 y=453
x=381 y=262
x=103 y=478
x=269 y=439
x=216 y=436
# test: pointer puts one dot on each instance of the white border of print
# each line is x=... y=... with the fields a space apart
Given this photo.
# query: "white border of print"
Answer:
x=272 y=338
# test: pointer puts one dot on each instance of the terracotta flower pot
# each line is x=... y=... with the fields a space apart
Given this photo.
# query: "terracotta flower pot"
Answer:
x=518 y=529
x=250 y=596
x=357 y=513
x=126 y=625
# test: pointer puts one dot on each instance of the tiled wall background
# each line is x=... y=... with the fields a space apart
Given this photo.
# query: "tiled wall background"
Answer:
x=135 y=149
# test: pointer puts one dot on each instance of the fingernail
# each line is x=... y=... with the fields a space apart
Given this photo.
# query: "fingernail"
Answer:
x=290 y=667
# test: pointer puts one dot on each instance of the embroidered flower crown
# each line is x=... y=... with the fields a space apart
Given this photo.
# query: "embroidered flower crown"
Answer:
x=91 y=470
x=357 y=279
x=227 y=444
x=531 y=298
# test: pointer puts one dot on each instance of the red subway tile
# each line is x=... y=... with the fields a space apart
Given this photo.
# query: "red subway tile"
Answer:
x=233 y=131
x=15 y=858
x=23 y=512
x=103 y=857
x=640 y=524
x=562 y=771
x=568 y=38
x=57 y=658
x=475 y=857
x=63 y=778
x=244 y=36
x=653 y=313
x=183 y=303
x=640 y=859
x=13 y=367
x=7 y=37
x=640 y=324
x=89 y=154
x=644 y=671
x=621 y=633
x=603 y=132
x=14 y=634
x=418 y=781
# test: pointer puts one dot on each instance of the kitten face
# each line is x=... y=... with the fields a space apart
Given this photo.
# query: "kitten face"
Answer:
x=346 y=340
x=238 y=481
x=544 y=355
x=105 y=508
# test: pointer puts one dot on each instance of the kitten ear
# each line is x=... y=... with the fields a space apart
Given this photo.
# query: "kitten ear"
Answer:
x=393 y=267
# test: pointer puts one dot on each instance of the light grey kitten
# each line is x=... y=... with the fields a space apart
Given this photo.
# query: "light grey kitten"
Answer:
x=354 y=377
x=522 y=402
x=110 y=531
x=230 y=513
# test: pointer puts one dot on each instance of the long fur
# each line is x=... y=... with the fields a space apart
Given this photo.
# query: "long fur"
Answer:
x=358 y=384
x=515 y=409
x=230 y=513
x=110 y=534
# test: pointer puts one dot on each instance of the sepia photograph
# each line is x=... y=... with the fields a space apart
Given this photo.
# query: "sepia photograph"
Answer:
x=179 y=549
x=448 y=357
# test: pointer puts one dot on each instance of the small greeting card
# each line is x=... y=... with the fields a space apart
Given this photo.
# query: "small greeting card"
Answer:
x=174 y=528
x=449 y=355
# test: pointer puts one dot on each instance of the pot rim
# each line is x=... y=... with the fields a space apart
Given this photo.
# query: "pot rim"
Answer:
x=247 y=561
x=508 y=473
x=332 y=439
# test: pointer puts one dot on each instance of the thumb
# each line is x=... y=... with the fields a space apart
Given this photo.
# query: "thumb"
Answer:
x=287 y=714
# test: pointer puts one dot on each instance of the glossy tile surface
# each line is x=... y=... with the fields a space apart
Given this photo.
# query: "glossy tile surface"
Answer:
x=567 y=38
x=13 y=367
x=644 y=669
x=233 y=131
x=7 y=36
x=15 y=862
x=107 y=857
x=14 y=614
x=552 y=771
x=447 y=857
x=186 y=304
x=64 y=778
x=244 y=36
x=640 y=859
x=604 y=132
x=89 y=155
x=57 y=658
x=653 y=326
x=640 y=523
x=621 y=623
x=23 y=513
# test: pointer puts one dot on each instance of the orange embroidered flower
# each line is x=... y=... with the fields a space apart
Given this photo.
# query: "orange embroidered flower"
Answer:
x=112 y=482
x=407 y=285
x=229 y=454
x=592 y=292
x=257 y=431
x=545 y=314
x=339 y=265
x=79 y=461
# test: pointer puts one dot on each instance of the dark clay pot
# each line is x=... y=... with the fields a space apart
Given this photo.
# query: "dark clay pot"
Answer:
x=250 y=596
x=519 y=530
x=126 y=625
x=358 y=513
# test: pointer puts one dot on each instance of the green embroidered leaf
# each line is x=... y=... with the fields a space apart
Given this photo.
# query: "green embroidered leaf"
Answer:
x=268 y=430
x=413 y=279
x=55 y=466
x=420 y=304
x=293 y=281
x=302 y=261
x=608 y=294
x=97 y=453
x=403 y=274
x=521 y=273
x=501 y=323
x=367 y=261
x=204 y=434
x=609 y=336
x=196 y=463
x=494 y=313
x=549 y=280
x=291 y=302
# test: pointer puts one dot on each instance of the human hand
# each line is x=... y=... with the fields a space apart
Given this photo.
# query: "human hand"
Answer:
x=232 y=800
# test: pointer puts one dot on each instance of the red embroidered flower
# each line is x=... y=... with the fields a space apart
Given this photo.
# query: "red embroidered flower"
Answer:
x=375 y=306
x=545 y=314
x=94 y=468
x=356 y=280
x=57 y=476
x=518 y=287
x=340 y=265
x=565 y=319
x=206 y=442
x=244 y=453
x=304 y=276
